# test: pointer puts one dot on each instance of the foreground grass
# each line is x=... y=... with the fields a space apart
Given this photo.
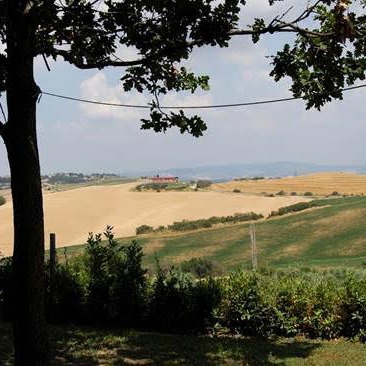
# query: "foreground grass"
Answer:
x=91 y=346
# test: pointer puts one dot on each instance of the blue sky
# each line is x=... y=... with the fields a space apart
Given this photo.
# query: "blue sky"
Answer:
x=86 y=138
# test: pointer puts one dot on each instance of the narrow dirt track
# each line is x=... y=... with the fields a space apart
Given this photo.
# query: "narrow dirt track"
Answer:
x=73 y=214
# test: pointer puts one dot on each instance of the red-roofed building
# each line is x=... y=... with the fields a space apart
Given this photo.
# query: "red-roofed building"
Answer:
x=158 y=179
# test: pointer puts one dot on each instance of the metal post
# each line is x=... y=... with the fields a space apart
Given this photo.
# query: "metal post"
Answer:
x=253 y=244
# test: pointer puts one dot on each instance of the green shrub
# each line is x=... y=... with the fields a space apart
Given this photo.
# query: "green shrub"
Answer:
x=97 y=266
x=187 y=225
x=308 y=193
x=144 y=229
x=200 y=267
x=354 y=308
x=110 y=285
x=2 y=200
x=128 y=290
x=244 y=309
x=151 y=186
x=180 y=304
x=5 y=289
x=280 y=193
x=67 y=302
x=309 y=305
x=291 y=208
x=160 y=229
x=203 y=183
x=293 y=193
x=176 y=187
x=288 y=303
x=116 y=283
x=236 y=190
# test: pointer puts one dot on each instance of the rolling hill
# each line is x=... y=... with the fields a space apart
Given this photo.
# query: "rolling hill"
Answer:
x=73 y=213
x=319 y=184
x=328 y=236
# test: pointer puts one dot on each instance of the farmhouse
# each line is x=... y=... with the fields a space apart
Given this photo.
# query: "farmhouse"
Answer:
x=158 y=179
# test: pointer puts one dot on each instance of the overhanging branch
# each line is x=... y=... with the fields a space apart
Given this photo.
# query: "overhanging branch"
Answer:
x=280 y=27
x=98 y=64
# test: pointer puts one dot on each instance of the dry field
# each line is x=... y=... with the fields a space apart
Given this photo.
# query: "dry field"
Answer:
x=72 y=214
x=319 y=184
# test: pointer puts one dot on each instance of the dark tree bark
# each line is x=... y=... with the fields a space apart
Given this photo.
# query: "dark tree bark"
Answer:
x=20 y=138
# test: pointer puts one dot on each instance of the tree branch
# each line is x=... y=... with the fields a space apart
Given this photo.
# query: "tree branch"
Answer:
x=98 y=64
x=291 y=27
x=280 y=27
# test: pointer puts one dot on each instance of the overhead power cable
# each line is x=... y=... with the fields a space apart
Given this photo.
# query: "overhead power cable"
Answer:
x=231 y=105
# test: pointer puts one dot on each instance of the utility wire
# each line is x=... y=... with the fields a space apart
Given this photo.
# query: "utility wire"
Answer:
x=2 y=111
x=231 y=105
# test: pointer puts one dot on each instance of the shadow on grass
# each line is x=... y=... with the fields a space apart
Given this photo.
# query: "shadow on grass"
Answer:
x=85 y=346
x=6 y=347
x=90 y=346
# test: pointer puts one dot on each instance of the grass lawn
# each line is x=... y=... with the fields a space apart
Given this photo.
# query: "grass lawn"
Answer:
x=94 y=346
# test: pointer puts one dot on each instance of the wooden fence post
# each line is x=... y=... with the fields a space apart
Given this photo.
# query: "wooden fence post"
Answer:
x=52 y=266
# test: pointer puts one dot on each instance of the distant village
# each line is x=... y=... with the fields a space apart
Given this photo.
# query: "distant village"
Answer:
x=74 y=178
x=65 y=178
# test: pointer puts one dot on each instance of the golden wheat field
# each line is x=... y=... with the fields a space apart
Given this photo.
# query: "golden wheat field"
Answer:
x=321 y=184
x=72 y=214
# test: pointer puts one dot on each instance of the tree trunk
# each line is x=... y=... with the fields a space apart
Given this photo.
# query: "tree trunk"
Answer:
x=20 y=138
x=28 y=258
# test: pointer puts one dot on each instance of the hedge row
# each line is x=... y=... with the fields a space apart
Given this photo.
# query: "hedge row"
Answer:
x=187 y=225
x=300 y=206
x=109 y=285
x=295 y=303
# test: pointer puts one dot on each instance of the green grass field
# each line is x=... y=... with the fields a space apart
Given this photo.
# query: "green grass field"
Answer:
x=92 y=346
x=323 y=237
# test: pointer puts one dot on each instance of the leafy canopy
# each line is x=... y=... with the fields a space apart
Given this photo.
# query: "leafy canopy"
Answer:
x=328 y=51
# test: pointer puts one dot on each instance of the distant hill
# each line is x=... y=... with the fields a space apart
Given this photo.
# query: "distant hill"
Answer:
x=228 y=172
x=322 y=184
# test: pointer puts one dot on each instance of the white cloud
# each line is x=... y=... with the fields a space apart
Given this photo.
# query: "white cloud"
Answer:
x=97 y=88
x=176 y=99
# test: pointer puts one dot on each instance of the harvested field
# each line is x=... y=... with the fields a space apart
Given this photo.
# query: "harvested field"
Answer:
x=321 y=184
x=72 y=214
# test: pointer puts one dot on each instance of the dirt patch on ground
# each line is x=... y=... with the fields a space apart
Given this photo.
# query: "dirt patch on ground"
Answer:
x=205 y=251
x=293 y=250
x=337 y=223
x=153 y=246
x=73 y=214
x=356 y=247
x=325 y=228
